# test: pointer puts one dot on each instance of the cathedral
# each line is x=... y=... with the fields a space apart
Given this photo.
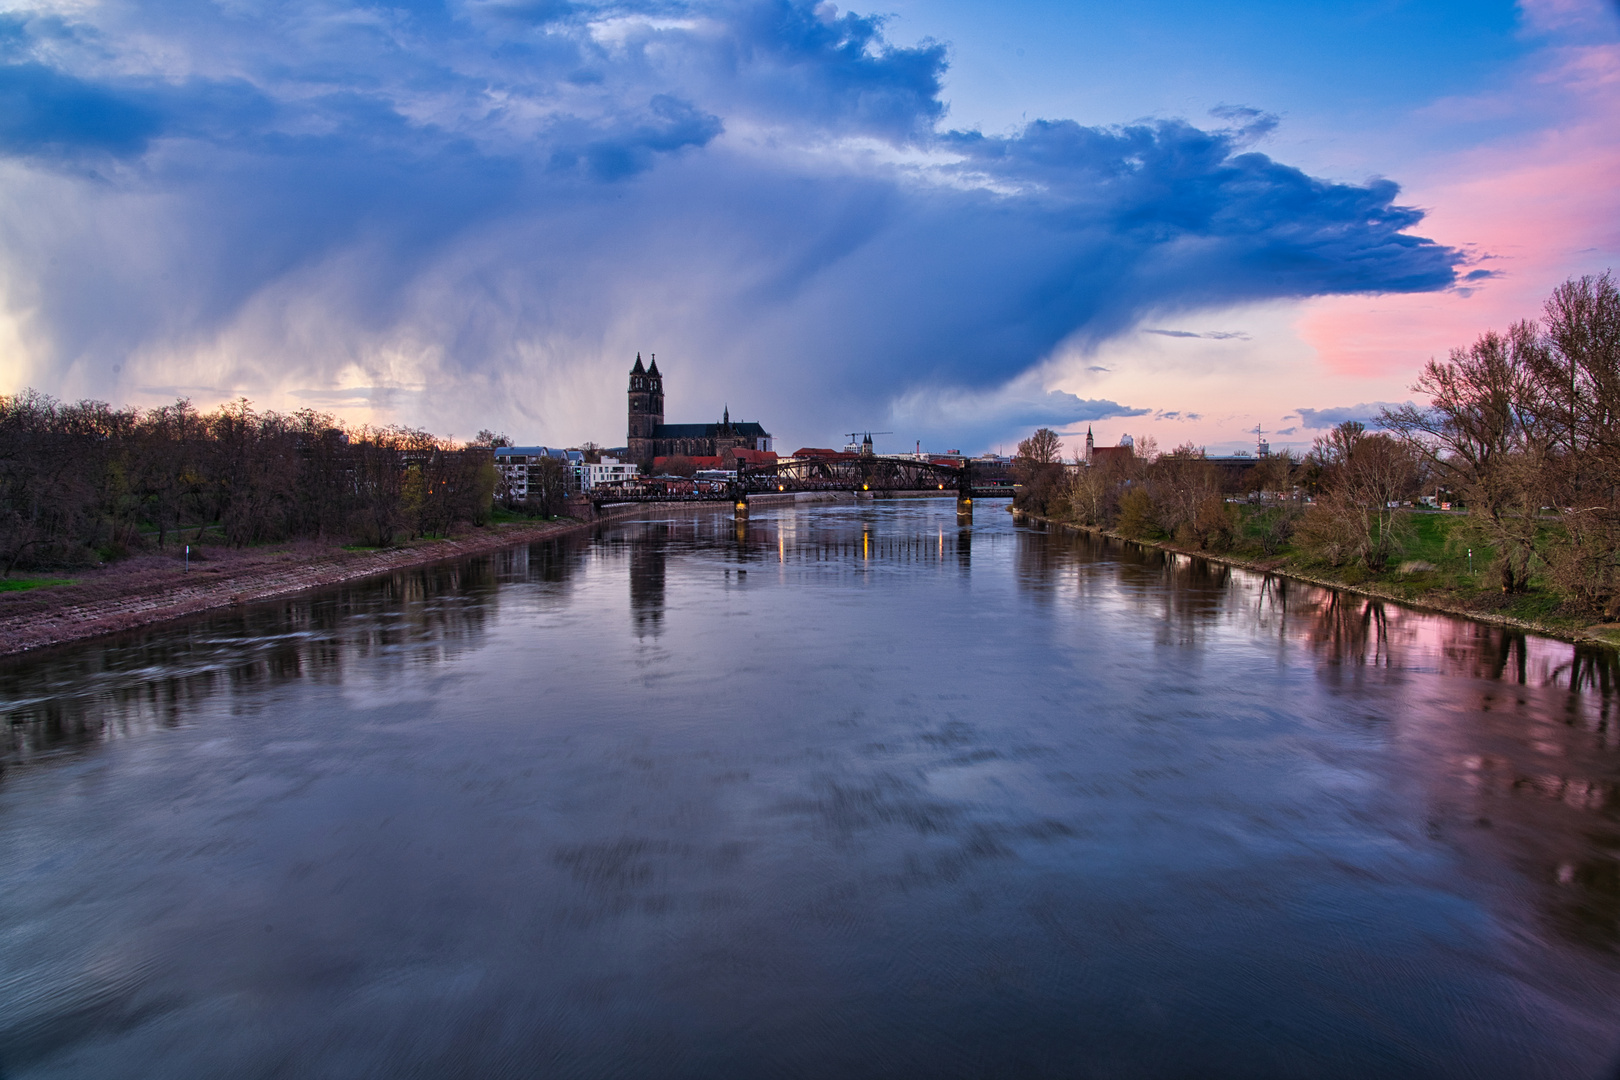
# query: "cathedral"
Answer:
x=650 y=437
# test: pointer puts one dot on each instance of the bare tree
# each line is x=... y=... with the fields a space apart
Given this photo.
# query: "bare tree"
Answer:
x=86 y=480
x=1038 y=470
x=1042 y=448
x=1484 y=436
x=1091 y=493
x=548 y=488
x=1366 y=477
x=1186 y=492
x=1578 y=375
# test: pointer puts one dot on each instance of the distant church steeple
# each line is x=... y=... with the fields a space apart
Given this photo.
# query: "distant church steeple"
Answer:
x=650 y=438
x=646 y=409
x=1090 y=444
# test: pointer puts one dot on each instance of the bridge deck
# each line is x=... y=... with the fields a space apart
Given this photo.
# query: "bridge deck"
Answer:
x=606 y=498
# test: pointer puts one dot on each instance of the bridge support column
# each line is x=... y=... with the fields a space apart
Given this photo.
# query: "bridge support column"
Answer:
x=964 y=493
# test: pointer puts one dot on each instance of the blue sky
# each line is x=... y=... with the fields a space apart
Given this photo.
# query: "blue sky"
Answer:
x=1335 y=62
x=951 y=220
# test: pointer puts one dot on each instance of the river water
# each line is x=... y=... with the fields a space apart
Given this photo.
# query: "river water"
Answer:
x=856 y=793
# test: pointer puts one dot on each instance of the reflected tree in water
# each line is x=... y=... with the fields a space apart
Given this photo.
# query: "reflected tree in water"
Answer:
x=75 y=698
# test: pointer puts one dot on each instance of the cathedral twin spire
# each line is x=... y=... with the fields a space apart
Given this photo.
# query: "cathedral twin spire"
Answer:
x=648 y=437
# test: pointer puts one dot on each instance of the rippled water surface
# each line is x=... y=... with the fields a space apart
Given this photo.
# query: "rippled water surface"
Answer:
x=857 y=793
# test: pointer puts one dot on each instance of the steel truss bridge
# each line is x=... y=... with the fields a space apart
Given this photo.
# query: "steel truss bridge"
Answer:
x=869 y=473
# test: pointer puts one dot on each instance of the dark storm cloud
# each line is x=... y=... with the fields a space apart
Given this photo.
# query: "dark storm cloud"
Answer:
x=813 y=62
x=1059 y=409
x=761 y=191
x=1367 y=413
x=631 y=143
x=43 y=111
x=954 y=418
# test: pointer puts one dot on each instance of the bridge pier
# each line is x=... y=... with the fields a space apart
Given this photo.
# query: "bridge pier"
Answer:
x=964 y=494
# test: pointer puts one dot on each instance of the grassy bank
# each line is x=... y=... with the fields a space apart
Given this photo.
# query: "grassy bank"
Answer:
x=1434 y=568
x=23 y=584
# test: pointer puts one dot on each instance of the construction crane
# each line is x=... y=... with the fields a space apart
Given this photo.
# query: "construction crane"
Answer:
x=866 y=442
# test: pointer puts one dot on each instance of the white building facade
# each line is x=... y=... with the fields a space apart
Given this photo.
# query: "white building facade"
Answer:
x=610 y=470
x=516 y=464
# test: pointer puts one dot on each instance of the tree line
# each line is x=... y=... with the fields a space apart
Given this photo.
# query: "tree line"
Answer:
x=85 y=481
x=1521 y=430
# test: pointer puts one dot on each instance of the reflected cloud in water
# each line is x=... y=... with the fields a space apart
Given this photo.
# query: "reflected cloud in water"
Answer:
x=830 y=789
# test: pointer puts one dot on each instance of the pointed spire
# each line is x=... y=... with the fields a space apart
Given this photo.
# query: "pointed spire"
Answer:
x=638 y=369
x=654 y=369
x=727 y=419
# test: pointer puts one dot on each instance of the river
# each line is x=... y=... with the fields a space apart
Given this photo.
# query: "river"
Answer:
x=855 y=793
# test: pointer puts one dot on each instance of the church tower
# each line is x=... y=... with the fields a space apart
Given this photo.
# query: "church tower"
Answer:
x=1090 y=444
x=646 y=410
x=655 y=393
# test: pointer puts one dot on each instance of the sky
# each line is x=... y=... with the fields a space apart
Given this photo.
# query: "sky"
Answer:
x=948 y=221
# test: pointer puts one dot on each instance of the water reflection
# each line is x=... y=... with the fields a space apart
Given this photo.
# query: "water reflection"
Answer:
x=1519 y=746
x=847 y=790
x=647 y=556
x=73 y=697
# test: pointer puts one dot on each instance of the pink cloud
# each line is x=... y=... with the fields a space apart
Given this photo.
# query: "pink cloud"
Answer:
x=1535 y=209
x=1556 y=15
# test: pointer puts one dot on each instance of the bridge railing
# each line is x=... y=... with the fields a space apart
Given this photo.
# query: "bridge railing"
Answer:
x=857 y=474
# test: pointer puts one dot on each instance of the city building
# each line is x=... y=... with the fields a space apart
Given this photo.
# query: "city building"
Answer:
x=518 y=468
x=649 y=437
x=1105 y=456
x=609 y=470
x=516 y=464
x=753 y=459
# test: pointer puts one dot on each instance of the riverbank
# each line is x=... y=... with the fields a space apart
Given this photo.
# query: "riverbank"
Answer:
x=1437 y=601
x=153 y=588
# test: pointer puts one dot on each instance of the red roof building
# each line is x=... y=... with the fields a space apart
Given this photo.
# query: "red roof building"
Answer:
x=819 y=452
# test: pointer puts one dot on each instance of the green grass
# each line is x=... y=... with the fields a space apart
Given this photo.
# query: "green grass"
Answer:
x=23 y=584
x=1428 y=538
x=1438 y=542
